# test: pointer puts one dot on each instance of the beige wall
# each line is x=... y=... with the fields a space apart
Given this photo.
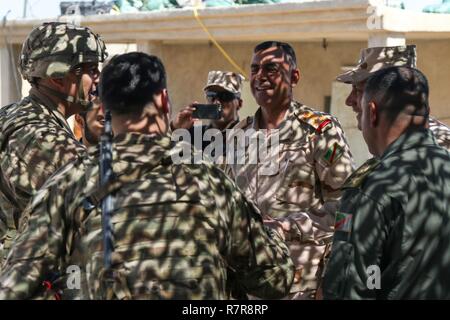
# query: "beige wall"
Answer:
x=433 y=58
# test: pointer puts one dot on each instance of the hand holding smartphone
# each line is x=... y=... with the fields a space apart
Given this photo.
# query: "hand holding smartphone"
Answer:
x=207 y=111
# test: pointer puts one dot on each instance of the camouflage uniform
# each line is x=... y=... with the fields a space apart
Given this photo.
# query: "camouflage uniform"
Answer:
x=181 y=231
x=374 y=59
x=225 y=80
x=394 y=215
x=35 y=138
x=441 y=132
x=314 y=161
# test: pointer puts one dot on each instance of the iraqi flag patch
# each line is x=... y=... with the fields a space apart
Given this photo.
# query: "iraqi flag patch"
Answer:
x=343 y=222
x=333 y=153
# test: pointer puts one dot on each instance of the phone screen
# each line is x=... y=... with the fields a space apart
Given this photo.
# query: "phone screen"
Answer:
x=207 y=111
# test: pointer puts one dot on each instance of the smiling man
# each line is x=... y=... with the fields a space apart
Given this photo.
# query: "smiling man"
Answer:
x=314 y=160
x=392 y=233
x=222 y=88
x=374 y=59
x=91 y=123
x=61 y=63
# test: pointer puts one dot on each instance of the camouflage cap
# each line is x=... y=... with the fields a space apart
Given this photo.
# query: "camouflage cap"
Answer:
x=374 y=59
x=53 y=48
x=225 y=80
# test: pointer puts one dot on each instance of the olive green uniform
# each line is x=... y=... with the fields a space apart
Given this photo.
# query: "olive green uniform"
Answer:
x=394 y=215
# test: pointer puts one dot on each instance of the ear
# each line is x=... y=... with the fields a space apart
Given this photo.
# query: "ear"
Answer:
x=373 y=114
x=239 y=104
x=79 y=120
x=165 y=101
x=295 y=77
x=351 y=98
x=58 y=83
x=102 y=107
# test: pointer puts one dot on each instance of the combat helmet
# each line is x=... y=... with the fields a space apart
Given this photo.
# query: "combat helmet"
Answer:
x=54 y=48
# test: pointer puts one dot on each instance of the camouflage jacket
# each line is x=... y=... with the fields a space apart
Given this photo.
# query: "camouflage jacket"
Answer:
x=35 y=140
x=441 y=132
x=181 y=231
x=312 y=162
x=392 y=233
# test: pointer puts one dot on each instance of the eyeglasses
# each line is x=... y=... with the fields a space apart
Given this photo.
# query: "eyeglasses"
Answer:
x=222 y=96
x=270 y=68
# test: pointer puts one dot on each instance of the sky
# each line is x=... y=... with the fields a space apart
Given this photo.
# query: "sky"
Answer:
x=50 y=8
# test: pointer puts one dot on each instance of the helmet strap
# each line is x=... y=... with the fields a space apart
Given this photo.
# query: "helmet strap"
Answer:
x=78 y=99
x=81 y=97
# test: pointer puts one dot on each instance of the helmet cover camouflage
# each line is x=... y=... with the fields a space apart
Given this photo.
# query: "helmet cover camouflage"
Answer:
x=377 y=58
x=223 y=80
x=52 y=49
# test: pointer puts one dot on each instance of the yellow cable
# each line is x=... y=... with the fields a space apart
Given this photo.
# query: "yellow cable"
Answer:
x=230 y=60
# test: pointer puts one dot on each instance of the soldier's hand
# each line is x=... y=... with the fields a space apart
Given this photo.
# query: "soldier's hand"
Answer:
x=183 y=119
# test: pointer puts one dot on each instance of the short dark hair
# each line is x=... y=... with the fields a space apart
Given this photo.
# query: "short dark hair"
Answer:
x=129 y=81
x=396 y=88
x=286 y=47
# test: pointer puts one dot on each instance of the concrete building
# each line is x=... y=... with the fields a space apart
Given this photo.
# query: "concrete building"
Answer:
x=327 y=36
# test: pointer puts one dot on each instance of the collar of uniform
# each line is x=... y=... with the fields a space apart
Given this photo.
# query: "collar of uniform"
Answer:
x=412 y=138
x=287 y=127
x=232 y=124
x=42 y=99
x=133 y=138
x=50 y=106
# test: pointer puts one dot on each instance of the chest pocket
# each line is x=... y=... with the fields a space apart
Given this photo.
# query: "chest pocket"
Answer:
x=297 y=178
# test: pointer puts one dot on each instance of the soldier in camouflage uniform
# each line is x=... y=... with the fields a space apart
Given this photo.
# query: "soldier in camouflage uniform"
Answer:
x=392 y=232
x=60 y=61
x=313 y=161
x=224 y=88
x=377 y=58
x=181 y=231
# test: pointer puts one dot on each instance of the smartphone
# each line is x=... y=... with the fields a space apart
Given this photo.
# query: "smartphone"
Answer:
x=207 y=111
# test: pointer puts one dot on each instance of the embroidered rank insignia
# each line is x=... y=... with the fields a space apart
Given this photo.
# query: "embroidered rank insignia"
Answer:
x=324 y=126
x=357 y=178
x=333 y=153
x=343 y=222
x=320 y=122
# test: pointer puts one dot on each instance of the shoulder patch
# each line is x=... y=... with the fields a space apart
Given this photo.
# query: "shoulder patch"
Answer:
x=358 y=177
x=321 y=122
x=324 y=126
x=343 y=222
x=333 y=153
